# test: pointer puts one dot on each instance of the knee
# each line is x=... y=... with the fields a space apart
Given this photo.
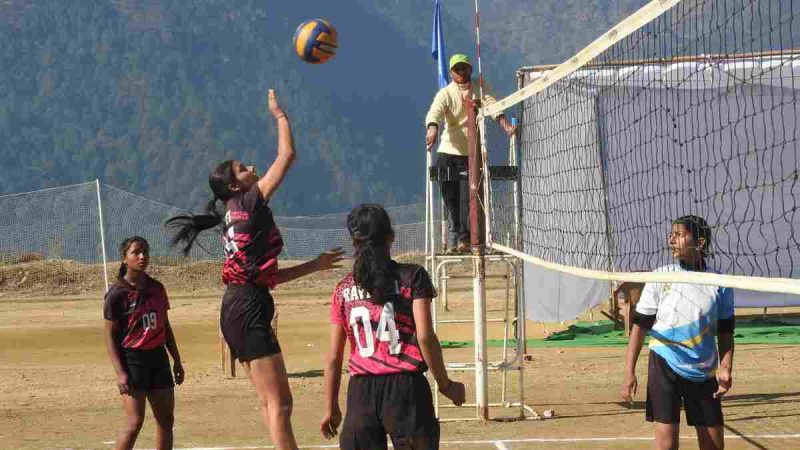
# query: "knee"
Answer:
x=279 y=407
x=134 y=424
x=666 y=439
x=285 y=410
x=166 y=421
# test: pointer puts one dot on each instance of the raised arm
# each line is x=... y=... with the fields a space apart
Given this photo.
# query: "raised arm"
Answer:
x=271 y=180
x=488 y=98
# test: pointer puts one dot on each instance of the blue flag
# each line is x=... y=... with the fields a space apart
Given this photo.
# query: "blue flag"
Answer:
x=437 y=46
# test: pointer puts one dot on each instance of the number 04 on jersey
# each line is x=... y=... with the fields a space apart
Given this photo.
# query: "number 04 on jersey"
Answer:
x=385 y=330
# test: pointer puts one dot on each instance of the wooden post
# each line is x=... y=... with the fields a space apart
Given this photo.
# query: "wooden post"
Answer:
x=477 y=216
x=228 y=362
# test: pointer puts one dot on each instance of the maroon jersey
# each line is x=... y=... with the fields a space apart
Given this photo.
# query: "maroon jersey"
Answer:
x=141 y=311
x=382 y=336
x=252 y=240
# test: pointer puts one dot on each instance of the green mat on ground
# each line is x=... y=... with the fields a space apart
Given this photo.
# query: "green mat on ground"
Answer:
x=602 y=334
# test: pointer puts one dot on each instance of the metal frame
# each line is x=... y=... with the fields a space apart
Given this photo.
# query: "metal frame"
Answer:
x=512 y=317
x=687 y=58
x=102 y=233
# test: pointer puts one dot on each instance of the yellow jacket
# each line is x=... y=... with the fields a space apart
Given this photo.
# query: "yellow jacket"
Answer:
x=448 y=108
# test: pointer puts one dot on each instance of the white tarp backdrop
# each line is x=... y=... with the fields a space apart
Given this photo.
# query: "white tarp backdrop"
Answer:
x=617 y=154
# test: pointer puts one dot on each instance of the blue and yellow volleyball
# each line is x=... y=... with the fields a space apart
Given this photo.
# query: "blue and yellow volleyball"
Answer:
x=316 y=41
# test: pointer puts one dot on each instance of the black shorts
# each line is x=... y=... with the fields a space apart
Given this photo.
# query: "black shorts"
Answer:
x=148 y=369
x=666 y=390
x=400 y=405
x=245 y=318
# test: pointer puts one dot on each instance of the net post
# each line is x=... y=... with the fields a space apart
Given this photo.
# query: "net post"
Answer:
x=102 y=233
x=516 y=153
x=428 y=204
x=477 y=224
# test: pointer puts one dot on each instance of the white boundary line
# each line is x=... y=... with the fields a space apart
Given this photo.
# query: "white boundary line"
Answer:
x=783 y=285
x=500 y=444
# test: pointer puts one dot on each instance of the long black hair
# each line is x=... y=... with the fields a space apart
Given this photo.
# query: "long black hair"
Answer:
x=123 y=250
x=188 y=227
x=373 y=269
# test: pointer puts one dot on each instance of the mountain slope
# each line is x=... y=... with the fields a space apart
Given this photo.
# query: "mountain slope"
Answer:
x=149 y=95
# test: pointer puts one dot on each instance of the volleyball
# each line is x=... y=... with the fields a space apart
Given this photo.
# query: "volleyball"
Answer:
x=316 y=41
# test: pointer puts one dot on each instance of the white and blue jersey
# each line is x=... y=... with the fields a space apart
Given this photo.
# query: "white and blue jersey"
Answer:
x=686 y=323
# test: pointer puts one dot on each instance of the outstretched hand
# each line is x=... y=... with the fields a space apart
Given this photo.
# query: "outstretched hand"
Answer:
x=273 y=106
x=330 y=259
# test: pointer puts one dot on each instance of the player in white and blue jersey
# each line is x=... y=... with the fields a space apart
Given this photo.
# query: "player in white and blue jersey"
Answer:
x=691 y=343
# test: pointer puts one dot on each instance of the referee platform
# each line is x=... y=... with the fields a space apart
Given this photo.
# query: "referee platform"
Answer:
x=507 y=317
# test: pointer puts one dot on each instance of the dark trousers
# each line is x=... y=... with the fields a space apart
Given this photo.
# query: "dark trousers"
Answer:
x=456 y=196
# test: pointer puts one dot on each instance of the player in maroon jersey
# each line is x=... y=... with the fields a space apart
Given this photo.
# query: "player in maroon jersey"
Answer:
x=138 y=335
x=252 y=245
x=383 y=309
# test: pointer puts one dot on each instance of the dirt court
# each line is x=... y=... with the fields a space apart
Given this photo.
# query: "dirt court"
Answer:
x=58 y=388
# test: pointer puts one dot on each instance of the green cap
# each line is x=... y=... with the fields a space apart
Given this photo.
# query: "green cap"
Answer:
x=459 y=58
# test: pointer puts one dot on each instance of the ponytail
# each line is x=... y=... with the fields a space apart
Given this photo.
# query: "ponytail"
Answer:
x=188 y=227
x=373 y=269
x=123 y=269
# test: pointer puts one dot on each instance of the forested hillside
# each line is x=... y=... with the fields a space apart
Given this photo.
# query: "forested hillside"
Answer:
x=148 y=95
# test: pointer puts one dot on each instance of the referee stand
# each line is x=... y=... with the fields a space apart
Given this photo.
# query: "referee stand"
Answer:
x=504 y=269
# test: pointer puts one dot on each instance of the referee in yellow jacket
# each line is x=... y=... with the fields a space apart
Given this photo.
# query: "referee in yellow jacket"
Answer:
x=448 y=114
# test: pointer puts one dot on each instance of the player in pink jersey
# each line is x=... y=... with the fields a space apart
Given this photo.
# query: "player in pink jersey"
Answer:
x=138 y=335
x=383 y=309
x=252 y=243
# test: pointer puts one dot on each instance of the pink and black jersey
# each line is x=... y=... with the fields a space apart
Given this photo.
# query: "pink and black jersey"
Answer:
x=382 y=336
x=141 y=310
x=252 y=240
